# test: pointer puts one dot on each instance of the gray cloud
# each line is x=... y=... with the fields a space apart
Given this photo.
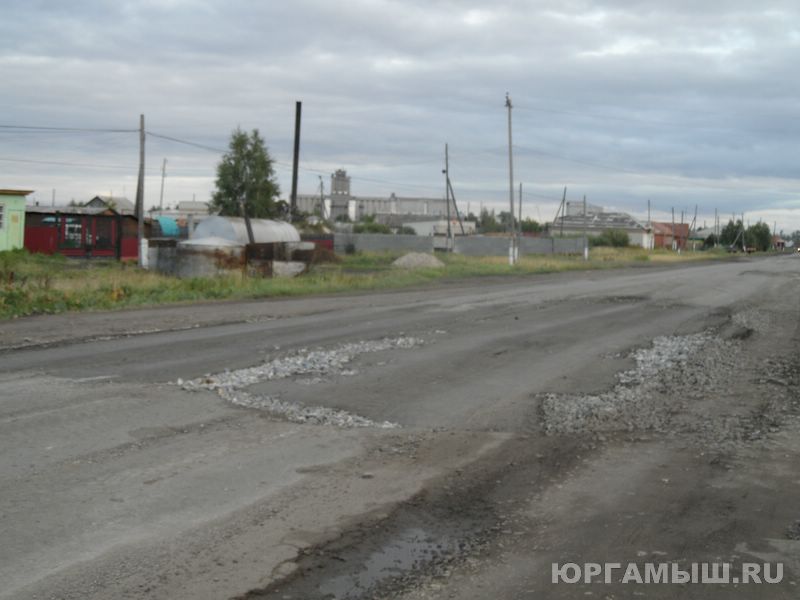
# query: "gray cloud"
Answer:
x=683 y=102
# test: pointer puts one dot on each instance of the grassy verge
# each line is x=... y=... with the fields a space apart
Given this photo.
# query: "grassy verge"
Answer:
x=37 y=284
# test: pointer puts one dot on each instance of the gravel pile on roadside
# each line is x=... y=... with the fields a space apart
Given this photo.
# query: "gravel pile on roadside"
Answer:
x=319 y=362
x=643 y=397
x=417 y=260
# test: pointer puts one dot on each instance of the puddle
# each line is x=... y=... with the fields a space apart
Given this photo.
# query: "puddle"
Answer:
x=408 y=551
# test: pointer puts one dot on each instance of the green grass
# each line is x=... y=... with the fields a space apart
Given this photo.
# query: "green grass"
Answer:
x=37 y=284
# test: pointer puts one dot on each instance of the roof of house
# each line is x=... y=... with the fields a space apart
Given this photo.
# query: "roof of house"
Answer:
x=75 y=210
x=15 y=192
x=72 y=210
x=599 y=220
x=118 y=203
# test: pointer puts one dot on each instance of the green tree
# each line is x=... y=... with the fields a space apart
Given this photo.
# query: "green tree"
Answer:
x=531 y=226
x=246 y=172
x=488 y=222
x=758 y=236
x=616 y=238
x=730 y=233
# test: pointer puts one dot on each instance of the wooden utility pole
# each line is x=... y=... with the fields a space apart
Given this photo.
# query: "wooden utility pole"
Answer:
x=519 y=221
x=140 y=196
x=163 y=175
x=243 y=204
x=511 y=247
x=455 y=206
x=298 y=107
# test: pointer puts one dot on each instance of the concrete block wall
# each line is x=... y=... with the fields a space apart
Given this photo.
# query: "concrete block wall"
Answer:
x=469 y=245
x=378 y=242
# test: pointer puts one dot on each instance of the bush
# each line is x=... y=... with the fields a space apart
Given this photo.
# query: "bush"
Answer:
x=371 y=227
x=615 y=238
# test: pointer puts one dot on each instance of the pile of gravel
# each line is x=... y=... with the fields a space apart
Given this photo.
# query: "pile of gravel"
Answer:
x=318 y=362
x=417 y=260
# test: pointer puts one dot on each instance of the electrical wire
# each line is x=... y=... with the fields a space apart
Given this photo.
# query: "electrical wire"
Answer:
x=37 y=129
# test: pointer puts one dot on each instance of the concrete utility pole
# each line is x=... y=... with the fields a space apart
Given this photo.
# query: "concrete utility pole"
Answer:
x=140 y=196
x=447 y=194
x=322 y=211
x=674 y=245
x=512 y=258
x=298 y=107
x=163 y=175
x=585 y=234
x=519 y=210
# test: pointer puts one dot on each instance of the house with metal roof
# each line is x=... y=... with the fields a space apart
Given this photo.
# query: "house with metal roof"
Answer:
x=596 y=220
x=119 y=204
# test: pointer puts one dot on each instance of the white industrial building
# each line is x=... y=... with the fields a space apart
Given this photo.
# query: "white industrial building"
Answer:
x=340 y=202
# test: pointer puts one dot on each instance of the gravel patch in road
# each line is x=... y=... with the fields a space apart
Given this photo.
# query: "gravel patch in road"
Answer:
x=636 y=401
x=700 y=385
x=317 y=363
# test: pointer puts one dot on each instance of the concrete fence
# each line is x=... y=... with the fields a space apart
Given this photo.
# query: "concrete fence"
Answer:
x=469 y=245
x=379 y=242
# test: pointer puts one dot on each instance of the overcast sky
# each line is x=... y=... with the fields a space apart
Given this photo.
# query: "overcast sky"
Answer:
x=682 y=102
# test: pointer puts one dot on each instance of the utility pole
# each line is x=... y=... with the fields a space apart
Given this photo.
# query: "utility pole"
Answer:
x=163 y=175
x=447 y=194
x=744 y=246
x=322 y=211
x=519 y=221
x=243 y=204
x=674 y=245
x=53 y=201
x=511 y=245
x=585 y=235
x=563 y=209
x=298 y=107
x=455 y=206
x=140 y=196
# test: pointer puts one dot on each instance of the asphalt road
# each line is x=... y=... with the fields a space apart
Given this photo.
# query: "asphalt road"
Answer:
x=514 y=442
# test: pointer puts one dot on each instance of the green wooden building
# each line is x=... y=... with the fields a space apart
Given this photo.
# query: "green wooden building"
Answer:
x=12 y=218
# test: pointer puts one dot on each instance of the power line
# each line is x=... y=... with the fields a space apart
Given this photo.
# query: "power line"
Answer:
x=63 y=163
x=186 y=142
x=36 y=128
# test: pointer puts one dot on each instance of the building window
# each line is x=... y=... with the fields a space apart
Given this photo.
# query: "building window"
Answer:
x=2 y=216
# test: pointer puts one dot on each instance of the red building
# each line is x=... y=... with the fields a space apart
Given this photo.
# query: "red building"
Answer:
x=665 y=233
x=87 y=232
